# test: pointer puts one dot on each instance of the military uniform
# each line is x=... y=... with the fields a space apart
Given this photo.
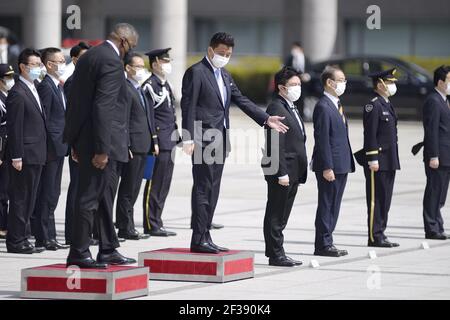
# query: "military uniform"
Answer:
x=159 y=92
x=5 y=71
x=380 y=146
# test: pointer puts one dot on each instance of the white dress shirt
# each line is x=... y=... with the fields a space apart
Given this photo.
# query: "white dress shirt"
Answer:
x=333 y=99
x=33 y=90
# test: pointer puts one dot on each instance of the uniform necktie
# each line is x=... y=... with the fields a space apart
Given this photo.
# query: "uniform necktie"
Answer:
x=341 y=111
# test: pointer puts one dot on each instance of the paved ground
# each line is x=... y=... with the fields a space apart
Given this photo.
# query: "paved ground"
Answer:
x=407 y=272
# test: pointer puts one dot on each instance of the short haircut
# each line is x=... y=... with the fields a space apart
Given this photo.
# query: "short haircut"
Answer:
x=297 y=44
x=25 y=54
x=221 y=38
x=283 y=76
x=128 y=60
x=328 y=73
x=47 y=54
x=123 y=30
x=76 y=50
x=440 y=74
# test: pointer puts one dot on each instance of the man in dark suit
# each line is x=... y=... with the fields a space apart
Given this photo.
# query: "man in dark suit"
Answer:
x=332 y=159
x=379 y=157
x=142 y=141
x=97 y=130
x=54 y=104
x=161 y=98
x=27 y=150
x=75 y=53
x=6 y=83
x=436 y=154
x=208 y=90
x=285 y=165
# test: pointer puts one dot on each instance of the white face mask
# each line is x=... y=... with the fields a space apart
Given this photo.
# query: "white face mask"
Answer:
x=166 y=68
x=391 y=88
x=9 y=84
x=219 y=61
x=141 y=75
x=61 y=69
x=447 y=91
x=294 y=93
x=340 y=88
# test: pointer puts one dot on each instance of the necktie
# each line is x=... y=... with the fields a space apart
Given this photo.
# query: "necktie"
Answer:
x=221 y=85
x=61 y=91
x=341 y=111
x=141 y=97
x=297 y=115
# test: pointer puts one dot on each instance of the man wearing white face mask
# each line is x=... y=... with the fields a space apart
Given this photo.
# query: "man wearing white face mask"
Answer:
x=332 y=159
x=289 y=152
x=208 y=91
x=379 y=157
x=54 y=104
x=161 y=99
x=6 y=83
x=27 y=151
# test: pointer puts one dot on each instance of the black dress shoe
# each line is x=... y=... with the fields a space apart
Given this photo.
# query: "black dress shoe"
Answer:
x=215 y=246
x=86 y=263
x=436 y=236
x=45 y=245
x=296 y=262
x=328 y=252
x=341 y=252
x=59 y=245
x=216 y=225
x=114 y=258
x=170 y=233
x=204 y=247
x=281 y=262
x=158 y=233
x=382 y=244
x=21 y=249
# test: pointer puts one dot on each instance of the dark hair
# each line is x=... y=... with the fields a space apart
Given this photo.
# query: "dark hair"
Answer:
x=128 y=60
x=25 y=54
x=296 y=44
x=47 y=53
x=283 y=76
x=76 y=50
x=328 y=73
x=440 y=74
x=221 y=38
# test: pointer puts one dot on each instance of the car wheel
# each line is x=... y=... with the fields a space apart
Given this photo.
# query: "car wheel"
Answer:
x=308 y=108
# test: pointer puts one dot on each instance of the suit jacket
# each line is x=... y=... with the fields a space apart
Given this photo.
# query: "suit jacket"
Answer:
x=202 y=101
x=141 y=123
x=436 y=124
x=165 y=120
x=380 y=135
x=27 y=137
x=332 y=148
x=67 y=85
x=52 y=103
x=291 y=153
x=97 y=111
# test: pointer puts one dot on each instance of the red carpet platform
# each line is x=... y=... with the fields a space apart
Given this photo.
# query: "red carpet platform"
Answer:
x=179 y=264
x=59 y=282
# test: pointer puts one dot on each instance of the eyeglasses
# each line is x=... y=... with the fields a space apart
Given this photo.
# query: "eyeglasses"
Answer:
x=58 y=62
x=41 y=65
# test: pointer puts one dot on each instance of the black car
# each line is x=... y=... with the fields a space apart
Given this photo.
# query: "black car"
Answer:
x=413 y=84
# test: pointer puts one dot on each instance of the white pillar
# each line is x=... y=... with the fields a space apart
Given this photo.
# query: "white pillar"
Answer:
x=43 y=24
x=169 y=29
x=319 y=27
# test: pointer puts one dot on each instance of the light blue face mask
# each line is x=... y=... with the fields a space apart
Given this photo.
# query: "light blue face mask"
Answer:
x=34 y=73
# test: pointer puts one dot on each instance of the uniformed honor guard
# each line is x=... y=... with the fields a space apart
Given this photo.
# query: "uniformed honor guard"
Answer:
x=379 y=157
x=6 y=83
x=159 y=93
